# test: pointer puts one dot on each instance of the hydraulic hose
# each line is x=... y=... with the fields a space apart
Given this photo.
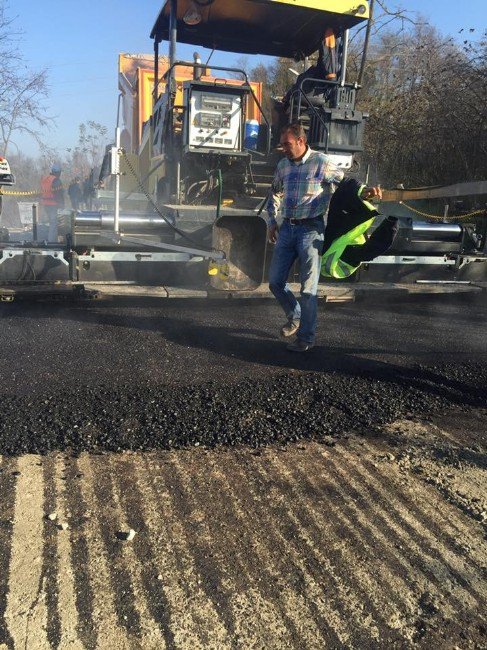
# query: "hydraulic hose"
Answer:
x=220 y=192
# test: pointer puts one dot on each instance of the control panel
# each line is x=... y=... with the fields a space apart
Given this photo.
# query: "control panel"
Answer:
x=214 y=118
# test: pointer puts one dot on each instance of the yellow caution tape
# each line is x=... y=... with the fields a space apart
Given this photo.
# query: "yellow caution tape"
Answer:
x=443 y=218
x=19 y=193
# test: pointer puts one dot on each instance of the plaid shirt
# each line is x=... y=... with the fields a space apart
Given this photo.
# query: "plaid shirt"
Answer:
x=303 y=189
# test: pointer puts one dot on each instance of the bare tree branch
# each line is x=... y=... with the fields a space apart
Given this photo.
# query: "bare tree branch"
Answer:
x=22 y=91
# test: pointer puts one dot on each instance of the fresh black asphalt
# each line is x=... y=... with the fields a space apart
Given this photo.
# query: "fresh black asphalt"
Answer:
x=145 y=374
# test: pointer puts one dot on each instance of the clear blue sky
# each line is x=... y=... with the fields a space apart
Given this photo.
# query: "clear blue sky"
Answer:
x=80 y=41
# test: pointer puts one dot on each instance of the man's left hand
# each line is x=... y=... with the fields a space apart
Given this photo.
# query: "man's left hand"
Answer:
x=371 y=193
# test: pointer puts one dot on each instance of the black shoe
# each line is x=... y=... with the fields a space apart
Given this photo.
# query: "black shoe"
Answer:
x=290 y=328
x=299 y=346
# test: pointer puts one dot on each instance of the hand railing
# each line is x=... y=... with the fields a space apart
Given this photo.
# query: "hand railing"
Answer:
x=299 y=93
x=247 y=86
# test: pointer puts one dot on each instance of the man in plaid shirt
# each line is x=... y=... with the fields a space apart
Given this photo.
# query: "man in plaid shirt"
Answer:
x=302 y=188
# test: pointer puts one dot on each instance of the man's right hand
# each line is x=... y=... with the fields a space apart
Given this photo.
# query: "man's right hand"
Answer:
x=272 y=232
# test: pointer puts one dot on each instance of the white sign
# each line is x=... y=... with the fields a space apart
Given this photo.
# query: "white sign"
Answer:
x=25 y=212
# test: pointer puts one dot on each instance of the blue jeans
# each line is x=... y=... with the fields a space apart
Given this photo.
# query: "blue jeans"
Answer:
x=303 y=242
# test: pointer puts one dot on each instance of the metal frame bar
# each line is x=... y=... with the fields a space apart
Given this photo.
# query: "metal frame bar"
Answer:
x=155 y=90
x=343 y=71
x=130 y=256
x=194 y=252
x=474 y=188
x=9 y=253
x=173 y=36
x=458 y=260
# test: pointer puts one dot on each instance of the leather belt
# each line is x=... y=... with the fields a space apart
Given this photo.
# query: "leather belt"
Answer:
x=298 y=222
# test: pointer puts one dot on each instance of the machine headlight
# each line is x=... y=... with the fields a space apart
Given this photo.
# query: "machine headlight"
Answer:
x=193 y=15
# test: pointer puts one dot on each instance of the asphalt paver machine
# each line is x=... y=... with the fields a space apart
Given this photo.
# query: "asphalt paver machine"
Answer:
x=208 y=151
x=204 y=158
x=188 y=186
x=217 y=144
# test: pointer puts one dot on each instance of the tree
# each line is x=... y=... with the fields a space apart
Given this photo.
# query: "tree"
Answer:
x=426 y=95
x=381 y=18
x=88 y=153
x=279 y=75
x=427 y=99
x=92 y=140
x=22 y=91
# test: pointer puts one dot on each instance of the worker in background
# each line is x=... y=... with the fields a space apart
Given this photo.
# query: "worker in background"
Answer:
x=302 y=187
x=52 y=198
x=325 y=69
x=75 y=193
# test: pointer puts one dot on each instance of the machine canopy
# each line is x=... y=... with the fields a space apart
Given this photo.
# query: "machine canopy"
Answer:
x=287 y=28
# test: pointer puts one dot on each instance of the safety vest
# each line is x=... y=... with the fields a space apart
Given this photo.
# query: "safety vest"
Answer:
x=47 y=195
x=346 y=209
x=331 y=264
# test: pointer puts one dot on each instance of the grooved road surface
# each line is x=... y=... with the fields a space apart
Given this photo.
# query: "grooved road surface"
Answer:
x=334 y=500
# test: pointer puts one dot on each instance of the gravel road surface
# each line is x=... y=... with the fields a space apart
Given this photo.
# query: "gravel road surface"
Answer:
x=329 y=500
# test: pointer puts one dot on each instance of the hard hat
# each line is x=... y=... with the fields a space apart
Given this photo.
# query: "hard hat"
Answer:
x=56 y=169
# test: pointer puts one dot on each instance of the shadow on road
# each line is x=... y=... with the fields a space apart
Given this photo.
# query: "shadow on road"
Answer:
x=210 y=329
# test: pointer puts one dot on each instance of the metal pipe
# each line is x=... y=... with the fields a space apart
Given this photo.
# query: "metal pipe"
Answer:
x=34 y=222
x=451 y=232
x=173 y=34
x=104 y=221
x=171 y=85
x=215 y=255
x=116 y=221
x=343 y=71
x=198 y=69
x=188 y=64
x=116 y=171
x=155 y=92
x=220 y=193
x=366 y=43
x=178 y=182
x=443 y=282
x=119 y=102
